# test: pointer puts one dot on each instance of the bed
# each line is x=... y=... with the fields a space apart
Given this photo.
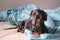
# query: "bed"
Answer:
x=12 y=16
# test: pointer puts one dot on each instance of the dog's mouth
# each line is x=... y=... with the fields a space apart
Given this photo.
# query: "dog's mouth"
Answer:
x=37 y=23
x=37 y=20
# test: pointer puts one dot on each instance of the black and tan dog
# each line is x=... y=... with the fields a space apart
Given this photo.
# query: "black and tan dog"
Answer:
x=35 y=23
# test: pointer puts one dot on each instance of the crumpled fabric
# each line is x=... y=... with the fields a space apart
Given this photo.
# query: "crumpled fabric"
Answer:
x=13 y=15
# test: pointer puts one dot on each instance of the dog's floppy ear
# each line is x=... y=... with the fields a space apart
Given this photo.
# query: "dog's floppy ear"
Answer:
x=31 y=12
x=44 y=15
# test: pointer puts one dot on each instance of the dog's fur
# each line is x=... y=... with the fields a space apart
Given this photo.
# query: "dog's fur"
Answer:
x=36 y=22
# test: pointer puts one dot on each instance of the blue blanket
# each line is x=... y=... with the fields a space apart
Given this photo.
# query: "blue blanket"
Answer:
x=14 y=15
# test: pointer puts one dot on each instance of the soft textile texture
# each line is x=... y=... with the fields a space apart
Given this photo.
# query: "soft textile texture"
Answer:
x=17 y=14
x=54 y=13
x=49 y=24
x=22 y=13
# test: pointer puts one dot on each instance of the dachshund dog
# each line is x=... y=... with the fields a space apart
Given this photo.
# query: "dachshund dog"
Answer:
x=35 y=23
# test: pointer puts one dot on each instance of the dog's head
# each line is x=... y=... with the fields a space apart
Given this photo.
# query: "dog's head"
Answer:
x=37 y=16
x=43 y=14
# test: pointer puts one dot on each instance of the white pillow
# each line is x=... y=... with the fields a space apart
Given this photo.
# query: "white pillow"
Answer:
x=55 y=13
x=49 y=23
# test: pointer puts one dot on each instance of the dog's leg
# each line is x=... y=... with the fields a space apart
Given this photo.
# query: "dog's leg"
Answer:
x=21 y=27
x=35 y=33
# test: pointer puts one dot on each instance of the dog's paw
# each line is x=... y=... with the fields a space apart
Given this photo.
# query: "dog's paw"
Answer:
x=20 y=30
x=36 y=34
